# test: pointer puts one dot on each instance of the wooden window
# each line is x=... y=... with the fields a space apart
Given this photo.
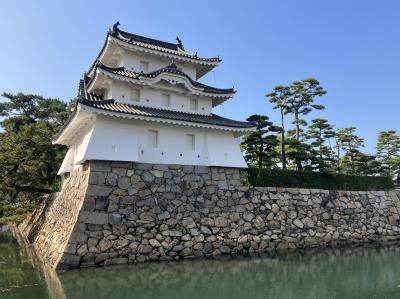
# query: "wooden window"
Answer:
x=165 y=100
x=153 y=138
x=193 y=104
x=144 y=66
x=134 y=95
x=190 y=142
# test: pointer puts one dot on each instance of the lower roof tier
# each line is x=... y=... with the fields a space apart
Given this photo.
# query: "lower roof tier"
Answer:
x=212 y=119
x=93 y=104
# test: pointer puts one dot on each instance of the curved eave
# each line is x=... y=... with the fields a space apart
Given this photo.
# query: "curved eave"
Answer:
x=77 y=121
x=238 y=130
x=84 y=115
x=203 y=65
x=171 y=78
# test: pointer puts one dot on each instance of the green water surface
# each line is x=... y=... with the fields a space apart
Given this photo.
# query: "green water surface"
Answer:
x=356 y=273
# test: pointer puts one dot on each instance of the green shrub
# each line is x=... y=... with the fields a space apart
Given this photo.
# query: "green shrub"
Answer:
x=314 y=180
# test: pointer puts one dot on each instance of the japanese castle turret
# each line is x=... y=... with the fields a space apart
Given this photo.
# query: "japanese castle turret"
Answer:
x=141 y=102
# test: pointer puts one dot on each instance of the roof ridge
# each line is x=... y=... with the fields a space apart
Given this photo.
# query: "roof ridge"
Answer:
x=114 y=31
x=177 y=48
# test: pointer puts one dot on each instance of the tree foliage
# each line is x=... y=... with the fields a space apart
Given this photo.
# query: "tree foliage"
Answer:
x=28 y=160
x=319 y=133
x=388 y=152
x=319 y=147
x=279 y=98
x=259 y=146
x=301 y=101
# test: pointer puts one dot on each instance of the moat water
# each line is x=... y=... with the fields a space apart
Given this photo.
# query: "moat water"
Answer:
x=327 y=274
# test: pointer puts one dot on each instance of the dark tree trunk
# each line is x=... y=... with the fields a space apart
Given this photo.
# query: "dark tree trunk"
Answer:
x=260 y=154
x=283 y=149
x=296 y=118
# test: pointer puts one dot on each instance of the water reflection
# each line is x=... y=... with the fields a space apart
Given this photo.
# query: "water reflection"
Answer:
x=347 y=273
x=18 y=279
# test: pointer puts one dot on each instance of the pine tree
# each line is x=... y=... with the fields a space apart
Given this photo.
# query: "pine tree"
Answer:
x=279 y=97
x=301 y=102
x=350 y=143
x=259 y=146
x=320 y=131
x=388 y=152
x=28 y=160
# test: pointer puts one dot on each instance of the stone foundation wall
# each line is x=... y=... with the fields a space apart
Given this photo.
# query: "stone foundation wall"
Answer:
x=50 y=226
x=143 y=212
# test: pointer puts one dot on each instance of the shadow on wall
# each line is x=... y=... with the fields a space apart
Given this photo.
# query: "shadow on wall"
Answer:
x=36 y=220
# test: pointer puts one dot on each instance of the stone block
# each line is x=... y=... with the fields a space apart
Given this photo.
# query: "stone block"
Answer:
x=101 y=204
x=221 y=222
x=205 y=230
x=124 y=183
x=70 y=260
x=116 y=261
x=98 y=190
x=119 y=171
x=164 y=215
x=128 y=200
x=70 y=248
x=101 y=257
x=93 y=217
x=298 y=223
x=147 y=177
x=100 y=166
x=78 y=238
x=188 y=168
x=97 y=178
x=89 y=204
x=157 y=173
x=114 y=218
x=201 y=169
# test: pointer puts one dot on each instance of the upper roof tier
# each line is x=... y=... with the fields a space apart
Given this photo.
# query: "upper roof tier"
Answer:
x=174 y=51
x=151 y=77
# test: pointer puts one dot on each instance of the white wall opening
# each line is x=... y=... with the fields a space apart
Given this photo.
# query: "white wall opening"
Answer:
x=153 y=138
x=134 y=95
x=190 y=142
x=165 y=100
x=194 y=104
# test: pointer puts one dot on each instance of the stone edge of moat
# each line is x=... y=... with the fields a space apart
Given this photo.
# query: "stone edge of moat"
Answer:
x=123 y=213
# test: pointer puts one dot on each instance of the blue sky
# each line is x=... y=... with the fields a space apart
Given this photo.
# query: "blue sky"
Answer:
x=351 y=47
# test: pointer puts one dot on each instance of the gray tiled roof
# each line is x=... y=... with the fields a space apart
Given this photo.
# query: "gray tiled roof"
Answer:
x=172 y=68
x=212 y=119
x=94 y=101
x=158 y=45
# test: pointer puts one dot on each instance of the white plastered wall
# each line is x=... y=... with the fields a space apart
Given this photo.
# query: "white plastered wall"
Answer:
x=120 y=91
x=112 y=139
x=116 y=139
x=131 y=61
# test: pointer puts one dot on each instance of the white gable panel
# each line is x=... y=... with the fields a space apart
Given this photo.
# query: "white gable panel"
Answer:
x=224 y=150
x=113 y=139
x=68 y=162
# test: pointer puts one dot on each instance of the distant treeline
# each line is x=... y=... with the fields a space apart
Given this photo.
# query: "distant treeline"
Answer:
x=316 y=146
